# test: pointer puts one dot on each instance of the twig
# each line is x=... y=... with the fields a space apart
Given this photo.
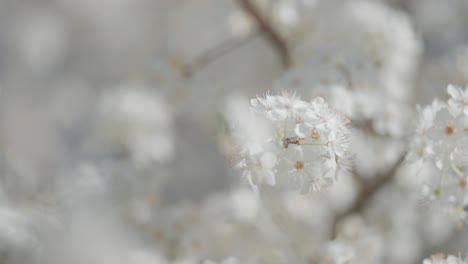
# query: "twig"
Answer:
x=188 y=69
x=272 y=34
x=213 y=54
x=367 y=193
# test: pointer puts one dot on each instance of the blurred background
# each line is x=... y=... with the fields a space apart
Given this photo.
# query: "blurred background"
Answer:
x=113 y=140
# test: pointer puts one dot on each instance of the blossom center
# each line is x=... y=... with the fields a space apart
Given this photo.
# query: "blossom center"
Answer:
x=449 y=130
x=299 y=119
x=462 y=184
x=421 y=152
x=314 y=134
x=299 y=165
x=259 y=164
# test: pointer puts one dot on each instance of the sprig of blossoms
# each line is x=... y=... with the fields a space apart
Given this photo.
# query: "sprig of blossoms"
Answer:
x=441 y=141
x=303 y=143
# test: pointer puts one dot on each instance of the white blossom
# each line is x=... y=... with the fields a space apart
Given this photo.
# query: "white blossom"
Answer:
x=228 y=260
x=458 y=102
x=139 y=119
x=444 y=259
x=306 y=146
x=440 y=140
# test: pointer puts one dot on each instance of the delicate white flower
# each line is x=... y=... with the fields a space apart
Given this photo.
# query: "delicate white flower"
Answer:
x=427 y=116
x=279 y=107
x=420 y=151
x=445 y=135
x=458 y=102
x=260 y=168
x=267 y=105
x=440 y=141
x=306 y=175
x=337 y=147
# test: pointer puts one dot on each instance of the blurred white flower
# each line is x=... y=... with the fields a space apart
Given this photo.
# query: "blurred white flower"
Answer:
x=356 y=243
x=140 y=119
x=240 y=23
x=16 y=230
x=287 y=13
x=245 y=204
x=228 y=260
x=444 y=259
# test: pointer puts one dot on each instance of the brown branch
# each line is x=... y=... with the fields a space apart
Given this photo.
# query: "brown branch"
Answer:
x=213 y=54
x=272 y=34
x=188 y=69
x=366 y=194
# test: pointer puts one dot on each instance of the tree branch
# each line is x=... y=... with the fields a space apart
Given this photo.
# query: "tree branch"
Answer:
x=367 y=193
x=188 y=69
x=213 y=54
x=271 y=33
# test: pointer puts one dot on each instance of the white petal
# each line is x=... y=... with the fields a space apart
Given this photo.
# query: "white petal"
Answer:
x=454 y=91
x=269 y=177
x=302 y=130
x=254 y=102
x=454 y=108
x=268 y=160
x=248 y=176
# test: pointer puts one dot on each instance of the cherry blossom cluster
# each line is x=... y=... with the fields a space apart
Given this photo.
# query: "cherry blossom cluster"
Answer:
x=441 y=141
x=302 y=143
x=365 y=72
